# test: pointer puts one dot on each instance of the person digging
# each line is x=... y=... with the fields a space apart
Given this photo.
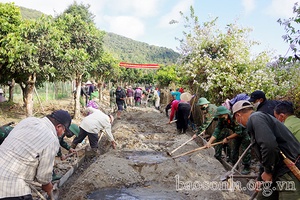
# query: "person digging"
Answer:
x=222 y=133
x=74 y=131
x=273 y=143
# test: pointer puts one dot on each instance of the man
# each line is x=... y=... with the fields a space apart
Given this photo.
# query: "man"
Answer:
x=28 y=154
x=129 y=96
x=284 y=112
x=225 y=130
x=176 y=94
x=208 y=114
x=120 y=101
x=269 y=136
x=91 y=125
x=261 y=103
x=112 y=100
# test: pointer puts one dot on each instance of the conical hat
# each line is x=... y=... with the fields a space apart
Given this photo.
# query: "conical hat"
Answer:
x=185 y=96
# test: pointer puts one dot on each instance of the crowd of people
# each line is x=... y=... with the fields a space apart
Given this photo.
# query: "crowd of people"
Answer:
x=27 y=151
x=120 y=98
x=269 y=126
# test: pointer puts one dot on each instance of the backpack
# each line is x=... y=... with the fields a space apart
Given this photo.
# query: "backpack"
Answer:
x=119 y=94
x=138 y=93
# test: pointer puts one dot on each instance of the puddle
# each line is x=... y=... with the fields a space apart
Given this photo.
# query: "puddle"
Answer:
x=139 y=193
x=146 y=157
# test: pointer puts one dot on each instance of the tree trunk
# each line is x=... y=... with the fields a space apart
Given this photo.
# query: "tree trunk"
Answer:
x=28 y=91
x=11 y=90
x=77 y=97
x=100 y=88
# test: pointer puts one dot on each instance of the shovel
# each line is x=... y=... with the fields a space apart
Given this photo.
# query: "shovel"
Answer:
x=198 y=149
x=170 y=153
x=231 y=172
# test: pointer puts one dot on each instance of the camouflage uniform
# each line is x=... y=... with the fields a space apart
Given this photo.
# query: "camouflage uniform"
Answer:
x=208 y=117
x=222 y=131
x=112 y=101
x=243 y=141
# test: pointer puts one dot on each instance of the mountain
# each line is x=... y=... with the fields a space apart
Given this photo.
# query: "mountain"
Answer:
x=129 y=50
x=125 y=49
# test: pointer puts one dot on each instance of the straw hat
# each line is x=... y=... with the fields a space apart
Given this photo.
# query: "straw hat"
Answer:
x=185 y=96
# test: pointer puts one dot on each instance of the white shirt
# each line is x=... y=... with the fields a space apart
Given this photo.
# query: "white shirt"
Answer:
x=97 y=121
x=27 y=154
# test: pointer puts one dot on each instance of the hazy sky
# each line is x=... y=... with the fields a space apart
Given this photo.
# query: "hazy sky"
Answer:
x=148 y=20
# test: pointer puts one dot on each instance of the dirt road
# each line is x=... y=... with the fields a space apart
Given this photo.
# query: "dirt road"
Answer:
x=141 y=169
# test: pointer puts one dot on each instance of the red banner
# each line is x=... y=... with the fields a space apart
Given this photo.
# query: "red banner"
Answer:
x=140 y=66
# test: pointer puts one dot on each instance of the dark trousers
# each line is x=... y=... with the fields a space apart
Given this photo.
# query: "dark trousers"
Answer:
x=25 y=197
x=93 y=138
x=183 y=114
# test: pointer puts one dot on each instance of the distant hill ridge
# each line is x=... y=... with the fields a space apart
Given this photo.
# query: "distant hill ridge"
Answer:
x=125 y=49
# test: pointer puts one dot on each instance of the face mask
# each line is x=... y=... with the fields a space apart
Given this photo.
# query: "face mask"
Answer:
x=255 y=105
x=240 y=122
x=222 y=119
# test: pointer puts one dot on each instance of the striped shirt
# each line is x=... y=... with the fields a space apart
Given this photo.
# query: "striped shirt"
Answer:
x=27 y=154
x=96 y=122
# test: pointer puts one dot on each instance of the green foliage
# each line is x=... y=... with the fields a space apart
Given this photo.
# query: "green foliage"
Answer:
x=30 y=13
x=81 y=10
x=128 y=50
x=167 y=74
x=221 y=63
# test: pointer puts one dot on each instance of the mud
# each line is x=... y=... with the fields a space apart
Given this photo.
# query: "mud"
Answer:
x=140 y=167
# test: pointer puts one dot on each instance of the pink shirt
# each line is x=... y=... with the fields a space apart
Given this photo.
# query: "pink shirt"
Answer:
x=174 y=108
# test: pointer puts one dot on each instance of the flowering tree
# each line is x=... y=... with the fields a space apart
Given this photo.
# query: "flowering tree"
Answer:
x=221 y=62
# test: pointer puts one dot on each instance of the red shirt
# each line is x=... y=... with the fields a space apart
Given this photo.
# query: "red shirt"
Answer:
x=174 y=108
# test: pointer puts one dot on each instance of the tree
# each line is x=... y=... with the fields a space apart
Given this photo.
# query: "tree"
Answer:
x=29 y=54
x=83 y=48
x=221 y=63
x=10 y=20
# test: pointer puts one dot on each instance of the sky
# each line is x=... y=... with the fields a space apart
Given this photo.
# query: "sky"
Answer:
x=148 y=20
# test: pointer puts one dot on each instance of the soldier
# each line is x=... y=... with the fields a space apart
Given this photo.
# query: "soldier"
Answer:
x=208 y=115
x=225 y=126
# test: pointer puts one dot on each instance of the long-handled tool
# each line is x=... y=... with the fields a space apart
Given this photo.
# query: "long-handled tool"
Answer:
x=198 y=149
x=170 y=153
x=231 y=172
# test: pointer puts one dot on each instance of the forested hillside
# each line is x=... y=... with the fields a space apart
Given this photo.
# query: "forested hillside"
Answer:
x=128 y=50
x=125 y=49
x=30 y=13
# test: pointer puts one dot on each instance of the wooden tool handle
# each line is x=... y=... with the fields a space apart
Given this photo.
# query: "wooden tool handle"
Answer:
x=182 y=145
x=200 y=148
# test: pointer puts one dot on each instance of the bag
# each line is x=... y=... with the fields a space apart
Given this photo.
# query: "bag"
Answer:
x=119 y=94
x=138 y=93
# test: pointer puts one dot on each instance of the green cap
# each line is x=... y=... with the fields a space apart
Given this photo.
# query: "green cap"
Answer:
x=202 y=101
x=75 y=129
x=222 y=110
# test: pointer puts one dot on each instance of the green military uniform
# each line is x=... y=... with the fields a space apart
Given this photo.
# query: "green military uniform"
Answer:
x=243 y=141
x=208 y=112
x=112 y=101
x=222 y=131
x=4 y=131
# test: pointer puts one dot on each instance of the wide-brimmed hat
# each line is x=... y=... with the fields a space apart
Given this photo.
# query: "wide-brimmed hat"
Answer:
x=202 y=101
x=185 y=96
x=222 y=110
x=88 y=83
x=64 y=118
x=240 y=105
x=74 y=129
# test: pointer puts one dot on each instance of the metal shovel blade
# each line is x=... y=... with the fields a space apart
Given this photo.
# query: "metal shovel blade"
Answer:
x=225 y=176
